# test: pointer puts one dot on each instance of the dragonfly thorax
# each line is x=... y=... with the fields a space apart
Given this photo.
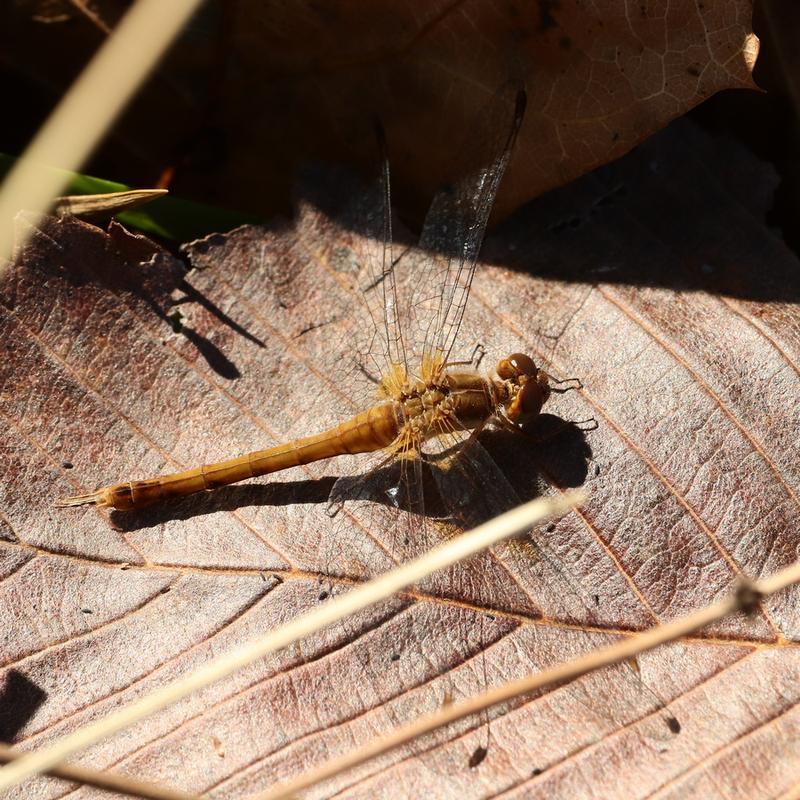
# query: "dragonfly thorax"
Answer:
x=453 y=401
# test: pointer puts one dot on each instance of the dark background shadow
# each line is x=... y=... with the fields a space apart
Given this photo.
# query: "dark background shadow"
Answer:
x=690 y=209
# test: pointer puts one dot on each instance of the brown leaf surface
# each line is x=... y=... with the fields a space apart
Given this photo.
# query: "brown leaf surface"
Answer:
x=254 y=87
x=654 y=280
x=600 y=79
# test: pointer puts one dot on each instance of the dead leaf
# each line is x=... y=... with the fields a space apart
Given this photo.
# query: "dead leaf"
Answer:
x=254 y=88
x=654 y=280
x=599 y=81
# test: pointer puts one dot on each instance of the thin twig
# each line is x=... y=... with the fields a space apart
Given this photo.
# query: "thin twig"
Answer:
x=109 y=781
x=790 y=794
x=381 y=588
x=86 y=112
x=746 y=598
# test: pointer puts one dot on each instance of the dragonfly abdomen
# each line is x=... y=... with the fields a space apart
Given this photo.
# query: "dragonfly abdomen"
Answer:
x=371 y=430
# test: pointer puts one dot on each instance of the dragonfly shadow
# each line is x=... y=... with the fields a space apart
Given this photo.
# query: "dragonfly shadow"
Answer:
x=228 y=498
x=194 y=295
x=555 y=452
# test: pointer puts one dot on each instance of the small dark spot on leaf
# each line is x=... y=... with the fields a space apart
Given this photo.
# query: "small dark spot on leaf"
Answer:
x=615 y=136
x=165 y=589
x=536 y=771
x=477 y=757
x=323 y=595
x=550 y=528
x=596 y=598
x=395 y=656
x=596 y=469
x=490 y=617
x=67 y=464
x=693 y=71
x=87 y=611
x=673 y=724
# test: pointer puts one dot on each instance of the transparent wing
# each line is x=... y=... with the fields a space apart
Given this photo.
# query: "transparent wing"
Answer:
x=378 y=285
x=455 y=225
x=380 y=516
x=472 y=489
x=510 y=610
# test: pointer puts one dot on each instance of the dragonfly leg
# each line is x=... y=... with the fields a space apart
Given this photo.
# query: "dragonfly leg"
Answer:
x=366 y=373
x=474 y=434
x=474 y=361
x=477 y=355
x=566 y=385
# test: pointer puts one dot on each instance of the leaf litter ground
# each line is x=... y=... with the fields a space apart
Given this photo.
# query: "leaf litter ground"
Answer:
x=654 y=280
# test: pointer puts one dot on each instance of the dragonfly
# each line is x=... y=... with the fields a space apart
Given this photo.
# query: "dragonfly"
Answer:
x=430 y=398
x=430 y=472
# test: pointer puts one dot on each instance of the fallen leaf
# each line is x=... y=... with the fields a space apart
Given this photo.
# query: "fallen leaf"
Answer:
x=654 y=280
x=599 y=81
x=253 y=89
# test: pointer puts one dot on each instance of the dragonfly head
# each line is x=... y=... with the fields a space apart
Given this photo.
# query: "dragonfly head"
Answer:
x=526 y=387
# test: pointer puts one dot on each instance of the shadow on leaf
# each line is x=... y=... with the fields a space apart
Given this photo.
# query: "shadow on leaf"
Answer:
x=20 y=698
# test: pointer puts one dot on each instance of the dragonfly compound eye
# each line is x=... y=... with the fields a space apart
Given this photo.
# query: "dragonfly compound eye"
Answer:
x=515 y=366
x=530 y=400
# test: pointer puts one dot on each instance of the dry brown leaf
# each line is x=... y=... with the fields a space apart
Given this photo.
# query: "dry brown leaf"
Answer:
x=600 y=79
x=654 y=280
x=254 y=87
